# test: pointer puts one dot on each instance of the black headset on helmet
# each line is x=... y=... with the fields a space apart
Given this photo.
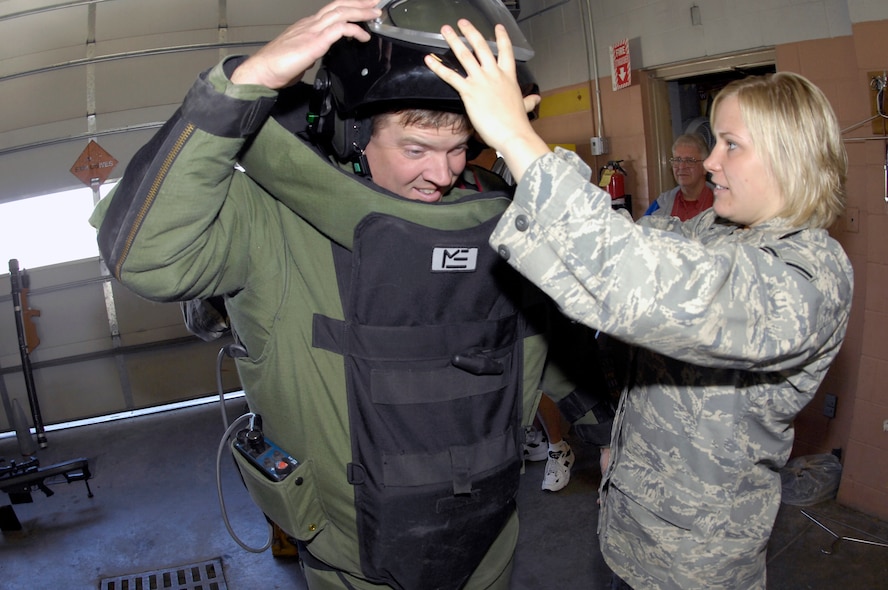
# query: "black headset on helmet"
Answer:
x=358 y=80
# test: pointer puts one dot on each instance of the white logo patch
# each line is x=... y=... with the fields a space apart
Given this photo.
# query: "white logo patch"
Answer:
x=455 y=259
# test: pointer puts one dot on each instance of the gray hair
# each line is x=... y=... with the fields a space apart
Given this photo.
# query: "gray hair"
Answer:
x=694 y=140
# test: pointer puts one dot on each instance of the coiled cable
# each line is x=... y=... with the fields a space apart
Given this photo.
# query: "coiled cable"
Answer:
x=222 y=447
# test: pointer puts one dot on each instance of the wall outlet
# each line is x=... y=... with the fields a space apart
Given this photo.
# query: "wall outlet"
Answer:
x=885 y=425
x=829 y=405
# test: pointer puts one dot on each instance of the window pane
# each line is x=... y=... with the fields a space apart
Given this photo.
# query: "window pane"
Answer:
x=51 y=229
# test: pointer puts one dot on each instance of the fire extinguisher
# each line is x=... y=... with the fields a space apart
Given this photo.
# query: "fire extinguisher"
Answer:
x=613 y=180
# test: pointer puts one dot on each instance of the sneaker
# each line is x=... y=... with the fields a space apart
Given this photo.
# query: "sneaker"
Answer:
x=558 y=466
x=536 y=445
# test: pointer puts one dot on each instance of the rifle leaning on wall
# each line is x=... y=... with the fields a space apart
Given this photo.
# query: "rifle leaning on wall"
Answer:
x=19 y=478
x=28 y=341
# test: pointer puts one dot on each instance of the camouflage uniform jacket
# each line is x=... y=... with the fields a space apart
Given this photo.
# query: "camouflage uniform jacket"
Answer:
x=733 y=329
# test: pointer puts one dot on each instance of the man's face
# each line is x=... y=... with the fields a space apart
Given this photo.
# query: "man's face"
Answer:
x=688 y=175
x=417 y=163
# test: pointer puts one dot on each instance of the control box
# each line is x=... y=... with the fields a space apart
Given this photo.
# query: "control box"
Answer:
x=274 y=462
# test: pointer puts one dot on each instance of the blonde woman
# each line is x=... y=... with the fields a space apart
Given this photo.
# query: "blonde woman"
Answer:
x=735 y=315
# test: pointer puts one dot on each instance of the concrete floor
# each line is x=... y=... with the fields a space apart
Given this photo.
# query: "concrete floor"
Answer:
x=155 y=506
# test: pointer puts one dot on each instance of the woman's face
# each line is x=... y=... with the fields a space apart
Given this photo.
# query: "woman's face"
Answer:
x=745 y=192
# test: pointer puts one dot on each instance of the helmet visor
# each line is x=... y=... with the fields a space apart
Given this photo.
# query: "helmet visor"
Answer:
x=419 y=22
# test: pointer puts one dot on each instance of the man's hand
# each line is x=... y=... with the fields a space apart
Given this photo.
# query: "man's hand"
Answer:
x=491 y=94
x=285 y=59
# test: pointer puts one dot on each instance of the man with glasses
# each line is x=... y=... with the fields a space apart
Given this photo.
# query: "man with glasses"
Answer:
x=693 y=195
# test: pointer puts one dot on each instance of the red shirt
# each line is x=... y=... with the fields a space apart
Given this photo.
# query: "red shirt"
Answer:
x=684 y=209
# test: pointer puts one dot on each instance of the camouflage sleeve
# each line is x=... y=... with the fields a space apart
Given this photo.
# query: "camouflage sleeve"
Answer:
x=729 y=305
x=664 y=222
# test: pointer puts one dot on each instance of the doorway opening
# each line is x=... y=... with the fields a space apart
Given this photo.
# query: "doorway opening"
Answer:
x=678 y=98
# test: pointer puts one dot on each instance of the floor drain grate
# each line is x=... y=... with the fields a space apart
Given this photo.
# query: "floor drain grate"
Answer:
x=206 y=575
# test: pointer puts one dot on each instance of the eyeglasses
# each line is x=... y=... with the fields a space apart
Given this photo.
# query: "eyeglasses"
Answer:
x=678 y=162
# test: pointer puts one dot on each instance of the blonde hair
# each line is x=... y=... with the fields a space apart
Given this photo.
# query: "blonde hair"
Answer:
x=795 y=132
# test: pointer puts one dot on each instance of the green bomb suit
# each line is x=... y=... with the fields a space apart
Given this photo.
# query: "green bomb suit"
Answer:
x=402 y=391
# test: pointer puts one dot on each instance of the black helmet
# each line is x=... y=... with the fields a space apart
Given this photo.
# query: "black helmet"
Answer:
x=357 y=80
